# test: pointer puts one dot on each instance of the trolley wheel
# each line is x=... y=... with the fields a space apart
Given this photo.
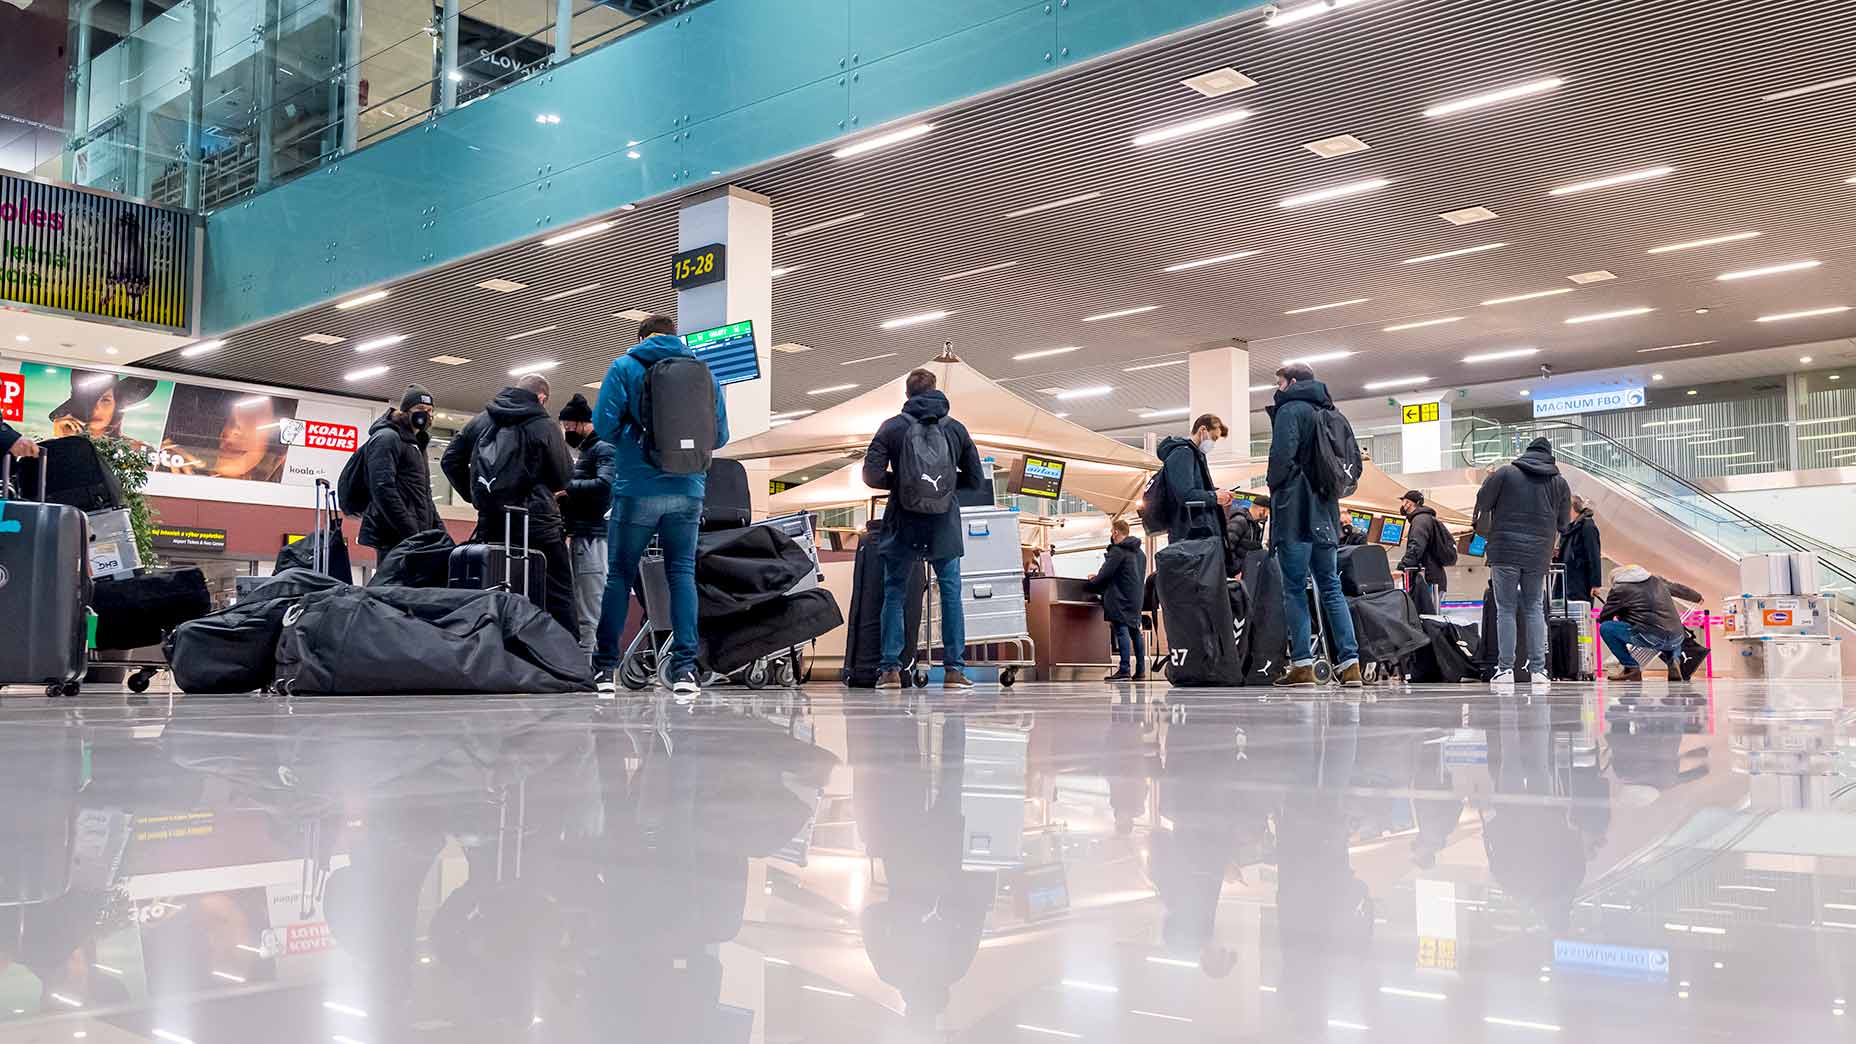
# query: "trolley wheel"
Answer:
x=920 y=678
x=636 y=669
x=1008 y=676
x=138 y=682
x=54 y=690
x=757 y=675
x=785 y=674
x=1324 y=672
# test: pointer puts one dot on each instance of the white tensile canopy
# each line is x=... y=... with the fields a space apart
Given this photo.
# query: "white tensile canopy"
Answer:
x=1107 y=474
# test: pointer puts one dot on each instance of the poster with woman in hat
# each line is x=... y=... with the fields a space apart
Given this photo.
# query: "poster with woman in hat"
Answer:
x=63 y=401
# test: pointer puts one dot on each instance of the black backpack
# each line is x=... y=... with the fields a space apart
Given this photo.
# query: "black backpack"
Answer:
x=499 y=474
x=925 y=469
x=676 y=415
x=1443 y=547
x=352 y=491
x=1156 y=507
x=1333 y=467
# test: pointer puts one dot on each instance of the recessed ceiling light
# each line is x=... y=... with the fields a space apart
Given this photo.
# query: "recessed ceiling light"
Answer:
x=1043 y=353
x=319 y=338
x=1202 y=262
x=792 y=348
x=367 y=298
x=535 y=367
x=1170 y=411
x=365 y=372
x=531 y=333
x=203 y=348
x=1351 y=188
x=1338 y=145
x=22 y=338
x=503 y=286
x=1836 y=376
x=1626 y=178
x=1656 y=376
x=1484 y=248
x=1119 y=314
x=1469 y=215
x=1061 y=413
x=1094 y=392
x=828 y=389
x=1697 y=243
x=1175 y=131
x=633 y=154
x=820 y=226
x=1507 y=353
x=1496 y=97
x=1395 y=382
x=380 y=342
x=1219 y=82
x=1622 y=313
x=636 y=315
x=1153 y=366
x=109 y=351
x=548 y=117
x=1812 y=88
x=1529 y=297
x=1053 y=204
x=591 y=384
x=915 y=320
x=1595 y=276
x=450 y=360
x=582 y=232
x=1325 y=307
x=1806 y=314
x=1692 y=391
x=1805 y=359
x=895 y=137
x=976 y=271
x=1425 y=322
x=1323 y=357
x=575 y=292
x=868 y=358
x=1750 y=273
x=1525 y=393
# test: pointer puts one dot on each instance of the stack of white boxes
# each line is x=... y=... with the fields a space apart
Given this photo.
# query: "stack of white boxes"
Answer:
x=1780 y=625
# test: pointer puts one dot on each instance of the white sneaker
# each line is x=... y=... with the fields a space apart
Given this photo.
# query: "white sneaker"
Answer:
x=685 y=689
x=1540 y=683
x=1502 y=682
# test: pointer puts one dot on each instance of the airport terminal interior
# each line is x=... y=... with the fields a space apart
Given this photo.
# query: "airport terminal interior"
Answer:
x=313 y=731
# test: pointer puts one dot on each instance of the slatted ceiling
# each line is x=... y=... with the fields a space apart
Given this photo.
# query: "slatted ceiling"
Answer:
x=1647 y=83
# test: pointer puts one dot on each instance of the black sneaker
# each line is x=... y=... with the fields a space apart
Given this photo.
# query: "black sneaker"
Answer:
x=1119 y=676
x=685 y=689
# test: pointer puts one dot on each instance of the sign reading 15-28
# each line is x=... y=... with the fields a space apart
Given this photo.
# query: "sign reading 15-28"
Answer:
x=1589 y=402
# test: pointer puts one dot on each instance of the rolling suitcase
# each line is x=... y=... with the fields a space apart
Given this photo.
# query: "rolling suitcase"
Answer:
x=863 y=637
x=1195 y=606
x=44 y=591
x=1364 y=569
x=480 y=566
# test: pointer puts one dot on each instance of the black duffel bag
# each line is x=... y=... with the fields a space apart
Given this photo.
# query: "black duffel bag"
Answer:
x=420 y=560
x=137 y=611
x=1387 y=626
x=738 y=569
x=235 y=649
x=731 y=643
x=1448 y=659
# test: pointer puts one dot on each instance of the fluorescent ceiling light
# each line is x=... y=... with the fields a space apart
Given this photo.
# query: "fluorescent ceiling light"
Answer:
x=379 y=342
x=1511 y=353
x=1396 y=991
x=1426 y=322
x=1351 y=188
x=1171 y=411
x=868 y=358
x=1255 y=388
x=534 y=367
x=820 y=226
x=503 y=286
x=915 y=320
x=1826 y=420
x=828 y=389
x=1751 y=273
x=531 y=333
x=582 y=232
x=448 y=360
x=203 y=348
x=1042 y=353
x=1396 y=382
x=1047 y=1031
x=364 y=373
x=1060 y=414
x=1671 y=347
x=1175 y=131
x=1053 y=204
x=1453 y=253
x=1806 y=314
x=575 y=292
x=321 y=338
x=879 y=141
x=1279 y=18
x=1310 y=360
x=1344 y=1024
x=791 y=415
x=784 y=270
x=1529 y=297
x=1153 y=366
x=1119 y=314
x=1726 y=456
x=977 y=271
x=1813 y=88
x=1325 y=307
x=1622 y=313
x=1697 y=243
x=1095 y=392
x=344 y=1009
x=1158 y=1015
x=367 y=298
x=1677 y=420
x=253 y=400
x=1496 y=97
x=1496 y=1020
x=1626 y=178
x=1202 y=262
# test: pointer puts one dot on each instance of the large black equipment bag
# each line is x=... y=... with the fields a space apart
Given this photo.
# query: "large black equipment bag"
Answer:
x=863 y=638
x=739 y=569
x=927 y=468
x=72 y=470
x=727 y=502
x=676 y=415
x=1266 y=638
x=44 y=589
x=1387 y=626
x=138 y=611
x=1364 y=569
x=732 y=642
x=1195 y=606
x=420 y=560
x=1334 y=463
x=235 y=649
x=1448 y=659
x=507 y=566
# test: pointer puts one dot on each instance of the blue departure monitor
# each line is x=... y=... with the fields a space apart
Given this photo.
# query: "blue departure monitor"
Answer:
x=729 y=351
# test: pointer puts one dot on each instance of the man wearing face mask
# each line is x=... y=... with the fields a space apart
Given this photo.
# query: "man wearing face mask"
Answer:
x=1188 y=473
x=584 y=504
x=399 y=479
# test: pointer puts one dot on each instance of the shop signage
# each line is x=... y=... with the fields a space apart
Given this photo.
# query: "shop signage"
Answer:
x=71 y=250
x=1590 y=402
x=188 y=538
x=1420 y=413
x=12 y=397
x=319 y=435
x=488 y=57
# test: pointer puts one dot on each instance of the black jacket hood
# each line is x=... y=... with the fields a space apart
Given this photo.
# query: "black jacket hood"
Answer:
x=1538 y=463
x=1422 y=509
x=930 y=406
x=515 y=405
x=1171 y=443
x=397 y=422
x=1131 y=542
x=1314 y=393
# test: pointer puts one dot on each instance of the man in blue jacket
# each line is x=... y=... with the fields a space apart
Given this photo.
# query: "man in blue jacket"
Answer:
x=647 y=503
x=1305 y=529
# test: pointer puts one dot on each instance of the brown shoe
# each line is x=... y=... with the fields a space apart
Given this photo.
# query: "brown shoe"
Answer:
x=1297 y=678
x=889 y=680
x=1351 y=678
x=1633 y=674
x=1675 y=673
x=956 y=680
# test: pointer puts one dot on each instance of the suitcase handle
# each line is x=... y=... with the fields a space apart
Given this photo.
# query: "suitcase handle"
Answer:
x=509 y=569
x=6 y=475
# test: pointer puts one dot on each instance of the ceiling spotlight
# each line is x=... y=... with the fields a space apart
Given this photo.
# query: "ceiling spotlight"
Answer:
x=1656 y=376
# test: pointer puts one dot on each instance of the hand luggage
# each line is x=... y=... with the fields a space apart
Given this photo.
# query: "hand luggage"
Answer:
x=420 y=560
x=72 y=470
x=1266 y=633
x=44 y=591
x=1387 y=626
x=726 y=502
x=509 y=567
x=1449 y=657
x=863 y=637
x=324 y=549
x=1572 y=637
x=1487 y=654
x=1364 y=569
x=1195 y=606
x=138 y=611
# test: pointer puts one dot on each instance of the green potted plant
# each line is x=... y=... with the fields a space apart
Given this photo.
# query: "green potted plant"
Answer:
x=130 y=462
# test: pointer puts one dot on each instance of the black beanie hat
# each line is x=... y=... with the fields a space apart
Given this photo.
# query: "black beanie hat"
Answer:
x=577 y=409
x=1415 y=497
x=1540 y=443
x=415 y=396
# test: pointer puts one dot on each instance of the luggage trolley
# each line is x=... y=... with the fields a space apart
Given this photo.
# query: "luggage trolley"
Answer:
x=992 y=597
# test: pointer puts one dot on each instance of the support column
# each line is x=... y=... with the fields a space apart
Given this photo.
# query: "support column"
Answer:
x=1218 y=382
x=1424 y=434
x=265 y=94
x=563 y=30
x=351 y=74
x=742 y=222
x=448 y=76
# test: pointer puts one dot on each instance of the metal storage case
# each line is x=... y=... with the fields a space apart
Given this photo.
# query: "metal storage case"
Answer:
x=992 y=591
x=1794 y=659
x=1753 y=616
x=1766 y=574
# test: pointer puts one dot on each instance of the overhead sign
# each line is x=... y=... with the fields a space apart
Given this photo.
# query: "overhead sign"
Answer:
x=1421 y=413
x=71 y=250
x=1634 y=961
x=188 y=538
x=728 y=350
x=698 y=267
x=1589 y=402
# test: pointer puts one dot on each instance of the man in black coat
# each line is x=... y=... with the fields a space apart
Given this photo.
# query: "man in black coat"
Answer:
x=1192 y=497
x=909 y=536
x=18 y=445
x=399 y=477
x=1429 y=549
x=1119 y=582
x=1642 y=612
x=1582 y=553
x=1522 y=508
x=548 y=469
x=584 y=504
x=1305 y=529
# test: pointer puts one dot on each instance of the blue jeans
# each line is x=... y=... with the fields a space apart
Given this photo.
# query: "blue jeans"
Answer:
x=1620 y=636
x=1518 y=592
x=898 y=562
x=1298 y=562
x=635 y=520
x=1128 y=641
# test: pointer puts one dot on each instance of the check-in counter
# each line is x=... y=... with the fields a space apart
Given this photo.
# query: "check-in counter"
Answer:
x=1067 y=625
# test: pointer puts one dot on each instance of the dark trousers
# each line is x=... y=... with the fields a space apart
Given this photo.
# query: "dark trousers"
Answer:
x=1125 y=640
x=552 y=546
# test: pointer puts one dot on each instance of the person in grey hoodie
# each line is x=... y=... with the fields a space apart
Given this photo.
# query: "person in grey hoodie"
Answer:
x=1640 y=612
x=1522 y=509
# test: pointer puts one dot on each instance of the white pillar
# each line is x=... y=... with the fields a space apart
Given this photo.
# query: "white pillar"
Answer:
x=742 y=222
x=1424 y=432
x=1218 y=382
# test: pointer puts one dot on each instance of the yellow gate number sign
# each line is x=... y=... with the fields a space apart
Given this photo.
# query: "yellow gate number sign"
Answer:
x=1421 y=413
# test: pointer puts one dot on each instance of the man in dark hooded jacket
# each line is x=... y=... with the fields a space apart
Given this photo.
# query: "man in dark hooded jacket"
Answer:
x=1641 y=612
x=1305 y=529
x=399 y=477
x=1522 y=509
x=1192 y=497
x=548 y=469
x=584 y=504
x=1429 y=549
x=1119 y=582
x=1582 y=553
x=909 y=535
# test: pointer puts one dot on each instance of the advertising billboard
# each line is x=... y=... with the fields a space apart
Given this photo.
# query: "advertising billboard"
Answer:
x=89 y=254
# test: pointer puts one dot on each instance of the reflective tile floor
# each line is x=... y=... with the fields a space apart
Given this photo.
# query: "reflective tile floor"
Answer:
x=1036 y=865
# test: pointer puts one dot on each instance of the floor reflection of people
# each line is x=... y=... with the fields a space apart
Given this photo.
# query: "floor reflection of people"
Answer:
x=1194 y=847
x=1548 y=816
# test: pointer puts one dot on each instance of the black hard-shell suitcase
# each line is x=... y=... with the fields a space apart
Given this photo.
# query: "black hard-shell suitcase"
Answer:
x=863 y=637
x=482 y=567
x=138 y=611
x=1195 y=607
x=44 y=590
x=1562 y=649
x=1364 y=569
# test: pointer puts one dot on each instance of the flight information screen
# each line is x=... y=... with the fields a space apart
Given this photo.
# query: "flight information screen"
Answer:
x=1039 y=477
x=729 y=351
